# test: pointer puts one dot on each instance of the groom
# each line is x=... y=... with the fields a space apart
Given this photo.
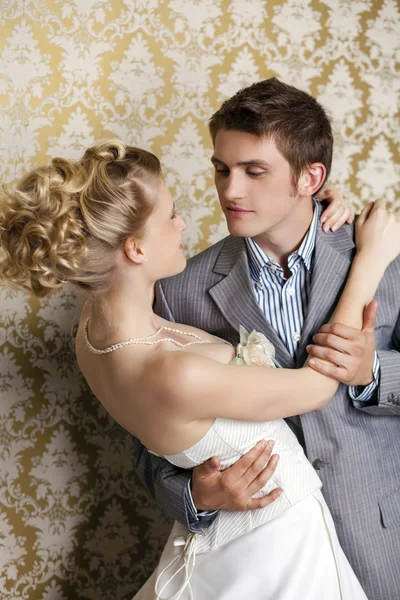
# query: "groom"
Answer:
x=280 y=274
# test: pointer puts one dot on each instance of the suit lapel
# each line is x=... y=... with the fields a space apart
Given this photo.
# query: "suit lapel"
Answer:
x=332 y=261
x=235 y=298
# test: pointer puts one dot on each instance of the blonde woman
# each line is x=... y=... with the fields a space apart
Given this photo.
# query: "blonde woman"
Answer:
x=108 y=224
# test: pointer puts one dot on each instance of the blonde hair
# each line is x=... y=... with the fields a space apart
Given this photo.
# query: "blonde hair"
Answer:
x=64 y=222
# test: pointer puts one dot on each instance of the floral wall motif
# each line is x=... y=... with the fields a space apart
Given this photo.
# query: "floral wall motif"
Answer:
x=74 y=520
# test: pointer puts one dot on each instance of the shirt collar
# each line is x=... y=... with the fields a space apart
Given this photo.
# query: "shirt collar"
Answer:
x=258 y=259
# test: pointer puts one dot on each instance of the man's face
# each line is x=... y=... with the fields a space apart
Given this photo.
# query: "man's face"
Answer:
x=254 y=185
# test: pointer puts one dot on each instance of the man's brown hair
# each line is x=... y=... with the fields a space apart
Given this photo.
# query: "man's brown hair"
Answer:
x=292 y=118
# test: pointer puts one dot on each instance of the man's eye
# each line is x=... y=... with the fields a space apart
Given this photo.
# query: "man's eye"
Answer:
x=221 y=170
x=174 y=215
x=255 y=173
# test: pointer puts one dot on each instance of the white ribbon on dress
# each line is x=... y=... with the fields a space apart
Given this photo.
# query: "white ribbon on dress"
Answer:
x=188 y=555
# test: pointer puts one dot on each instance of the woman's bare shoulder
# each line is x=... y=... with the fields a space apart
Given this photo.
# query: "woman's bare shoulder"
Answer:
x=174 y=371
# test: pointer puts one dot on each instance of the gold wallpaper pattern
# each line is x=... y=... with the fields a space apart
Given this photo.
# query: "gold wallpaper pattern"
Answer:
x=74 y=520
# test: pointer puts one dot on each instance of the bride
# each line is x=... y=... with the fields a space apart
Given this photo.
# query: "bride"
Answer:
x=108 y=224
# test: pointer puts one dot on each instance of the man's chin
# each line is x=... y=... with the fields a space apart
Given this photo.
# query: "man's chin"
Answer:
x=241 y=230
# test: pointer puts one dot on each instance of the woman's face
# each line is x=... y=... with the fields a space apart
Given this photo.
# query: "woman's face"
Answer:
x=163 y=238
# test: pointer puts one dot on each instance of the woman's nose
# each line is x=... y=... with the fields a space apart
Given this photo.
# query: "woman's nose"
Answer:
x=182 y=224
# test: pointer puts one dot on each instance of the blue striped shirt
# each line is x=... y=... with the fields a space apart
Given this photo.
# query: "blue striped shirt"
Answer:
x=284 y=301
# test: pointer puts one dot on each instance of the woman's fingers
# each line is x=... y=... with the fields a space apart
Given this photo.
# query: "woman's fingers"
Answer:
x=344 y=215
x=379 y=203
x=329 y=193
x=378 y=233
x=338 y=211
x=364 y=213
x=334 y=221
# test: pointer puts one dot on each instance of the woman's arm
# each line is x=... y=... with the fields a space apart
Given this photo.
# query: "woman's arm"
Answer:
x=200 y=388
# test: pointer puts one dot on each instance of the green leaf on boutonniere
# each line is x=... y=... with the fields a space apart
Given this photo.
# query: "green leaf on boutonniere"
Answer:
x=244 y=334
x=238 y=361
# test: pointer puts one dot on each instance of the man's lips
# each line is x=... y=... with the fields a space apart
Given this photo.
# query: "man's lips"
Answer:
x=238 y=212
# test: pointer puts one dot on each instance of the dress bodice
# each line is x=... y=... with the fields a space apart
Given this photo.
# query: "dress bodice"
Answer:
x=229 y=440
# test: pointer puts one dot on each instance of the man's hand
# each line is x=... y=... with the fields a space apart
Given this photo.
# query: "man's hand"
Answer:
x=338 y=211
x=233 y=488
x=349 y=351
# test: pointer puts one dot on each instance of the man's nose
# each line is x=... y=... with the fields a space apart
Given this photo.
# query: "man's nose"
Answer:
x=233 y=187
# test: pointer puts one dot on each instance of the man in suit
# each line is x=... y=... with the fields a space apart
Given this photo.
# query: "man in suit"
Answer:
x=279 y=273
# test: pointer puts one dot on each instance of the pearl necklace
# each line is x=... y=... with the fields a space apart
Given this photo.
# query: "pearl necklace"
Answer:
x=144 y=340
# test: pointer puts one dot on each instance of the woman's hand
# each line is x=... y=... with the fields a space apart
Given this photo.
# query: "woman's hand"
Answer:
x=338 y=211
x=378 y=233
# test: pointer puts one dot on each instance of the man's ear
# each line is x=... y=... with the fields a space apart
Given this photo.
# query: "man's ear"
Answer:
x=311 y=179
x=134 y=251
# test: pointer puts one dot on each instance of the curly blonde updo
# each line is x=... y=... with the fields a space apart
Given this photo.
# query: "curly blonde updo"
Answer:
x=64 y=222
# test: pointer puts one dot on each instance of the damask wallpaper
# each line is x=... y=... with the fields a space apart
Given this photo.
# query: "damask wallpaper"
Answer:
x=74 y=520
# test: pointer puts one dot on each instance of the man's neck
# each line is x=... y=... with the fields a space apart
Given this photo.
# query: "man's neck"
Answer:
x=286 y=237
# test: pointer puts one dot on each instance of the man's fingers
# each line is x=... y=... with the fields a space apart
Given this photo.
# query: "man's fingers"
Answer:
x=338 y=373
x=265 y=500
x=245 y=462
x=209 y=467
x=330 y=341
x=333 y=356
x=339 y=330
x=258 y=483
x=258 y=465
x=369 y=315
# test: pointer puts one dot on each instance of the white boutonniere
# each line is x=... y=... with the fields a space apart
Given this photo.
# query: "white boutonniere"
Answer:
x=254 y=349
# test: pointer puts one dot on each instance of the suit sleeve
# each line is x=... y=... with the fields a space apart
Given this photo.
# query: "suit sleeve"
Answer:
x=168 y=485
x=163 y=481
x=387 y=402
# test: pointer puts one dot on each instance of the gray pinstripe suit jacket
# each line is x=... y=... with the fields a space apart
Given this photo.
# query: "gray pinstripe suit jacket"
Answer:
x=360 y=446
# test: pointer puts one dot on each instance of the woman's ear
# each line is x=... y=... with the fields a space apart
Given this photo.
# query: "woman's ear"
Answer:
x=311 y=180
x=134 y=251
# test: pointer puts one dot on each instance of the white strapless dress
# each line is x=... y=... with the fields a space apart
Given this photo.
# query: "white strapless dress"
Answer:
x=288 y=550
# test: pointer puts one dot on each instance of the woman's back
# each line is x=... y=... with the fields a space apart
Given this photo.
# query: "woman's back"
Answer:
x=122 y=382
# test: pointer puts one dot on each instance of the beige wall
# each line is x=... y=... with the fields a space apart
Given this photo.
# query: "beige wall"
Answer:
x=74 y=521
